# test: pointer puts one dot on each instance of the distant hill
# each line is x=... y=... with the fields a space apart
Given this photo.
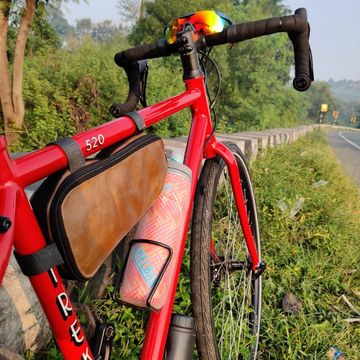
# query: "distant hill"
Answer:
x=346 y=90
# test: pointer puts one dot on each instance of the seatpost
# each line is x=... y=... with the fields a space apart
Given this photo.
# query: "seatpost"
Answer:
x=188 y=54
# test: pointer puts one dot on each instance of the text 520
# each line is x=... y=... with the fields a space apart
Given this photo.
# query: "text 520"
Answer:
x=94 y=142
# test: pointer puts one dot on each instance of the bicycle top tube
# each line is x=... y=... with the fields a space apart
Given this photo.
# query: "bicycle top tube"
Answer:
x=36 y=165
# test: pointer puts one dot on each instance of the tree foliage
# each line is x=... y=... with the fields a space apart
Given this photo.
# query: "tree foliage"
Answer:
x=16 y=25
x=101 y=32
x=255 y=74
x=321 y=93
x=69 y=91
x=71 y=87
x=131 y=11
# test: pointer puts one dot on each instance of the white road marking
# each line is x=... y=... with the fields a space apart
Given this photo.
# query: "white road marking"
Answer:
x=347 y=140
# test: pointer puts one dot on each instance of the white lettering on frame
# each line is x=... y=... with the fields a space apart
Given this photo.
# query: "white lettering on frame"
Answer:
x=53 y=277
x=86 y=356
x=94 y=142
x=75 y=329
x=64 y=305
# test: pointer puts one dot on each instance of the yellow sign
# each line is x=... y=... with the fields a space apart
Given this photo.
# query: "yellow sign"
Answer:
x=324 y=108
x=335 y=114
x=353 y=119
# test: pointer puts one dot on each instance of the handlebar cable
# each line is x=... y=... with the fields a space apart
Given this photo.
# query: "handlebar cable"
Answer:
x=218 y=73
x=203 y=62
x=143 y=85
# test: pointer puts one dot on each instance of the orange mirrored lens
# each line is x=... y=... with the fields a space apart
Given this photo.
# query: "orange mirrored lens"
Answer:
x=204 y=23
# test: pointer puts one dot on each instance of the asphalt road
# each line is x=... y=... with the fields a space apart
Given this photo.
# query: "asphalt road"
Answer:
x=346 y=145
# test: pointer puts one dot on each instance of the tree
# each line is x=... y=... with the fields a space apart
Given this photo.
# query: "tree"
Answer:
x=255 y=90
x=132 y=10
x=83 y=26
x=320 y=93
x=11 y=83
x=16 y=21
x=59 y=23
x=103 y=31
x=43 y=36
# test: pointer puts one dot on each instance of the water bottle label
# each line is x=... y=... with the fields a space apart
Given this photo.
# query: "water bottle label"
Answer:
x=144 y=265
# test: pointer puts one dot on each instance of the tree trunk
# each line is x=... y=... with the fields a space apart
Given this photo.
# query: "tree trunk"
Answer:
x=11 y=88
x=5 y=76
x=17 y=98
x=142 y=10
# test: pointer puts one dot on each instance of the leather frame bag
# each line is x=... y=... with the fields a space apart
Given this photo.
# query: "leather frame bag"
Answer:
x=86 y=212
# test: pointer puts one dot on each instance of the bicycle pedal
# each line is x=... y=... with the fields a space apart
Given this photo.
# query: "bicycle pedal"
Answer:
x=101 y=343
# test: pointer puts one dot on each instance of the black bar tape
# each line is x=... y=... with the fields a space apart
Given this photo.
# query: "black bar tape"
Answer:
x=157 y=49
x=296 y=25
x=73 y=152
x=297 y=28
x=240 y=32
x=39 y=262
x=303 y=59
x=133 y=71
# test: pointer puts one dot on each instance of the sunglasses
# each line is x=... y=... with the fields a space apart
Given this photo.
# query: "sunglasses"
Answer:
x=204 y=22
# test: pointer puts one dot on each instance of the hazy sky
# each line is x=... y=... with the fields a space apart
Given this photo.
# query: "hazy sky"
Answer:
x=335 y=32
x=334 y=39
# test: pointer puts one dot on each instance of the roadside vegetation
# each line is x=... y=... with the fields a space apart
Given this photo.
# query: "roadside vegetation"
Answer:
x=309 y=213
x=310 y=226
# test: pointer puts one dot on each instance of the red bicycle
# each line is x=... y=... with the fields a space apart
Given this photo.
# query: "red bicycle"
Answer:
x=226 y=262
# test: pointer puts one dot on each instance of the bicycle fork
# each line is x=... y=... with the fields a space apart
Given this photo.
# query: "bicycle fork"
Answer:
x=212 y=149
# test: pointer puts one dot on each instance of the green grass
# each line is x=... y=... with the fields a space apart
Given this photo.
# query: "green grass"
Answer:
x=314 y=254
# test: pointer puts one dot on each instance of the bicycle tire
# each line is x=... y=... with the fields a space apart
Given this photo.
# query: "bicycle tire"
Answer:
x=228 y=338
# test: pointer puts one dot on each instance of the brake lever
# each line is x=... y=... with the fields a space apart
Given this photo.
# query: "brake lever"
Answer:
x=137 y=75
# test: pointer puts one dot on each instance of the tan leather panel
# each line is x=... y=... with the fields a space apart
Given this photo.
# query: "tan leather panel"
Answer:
x=52 y=194
x=98 y=213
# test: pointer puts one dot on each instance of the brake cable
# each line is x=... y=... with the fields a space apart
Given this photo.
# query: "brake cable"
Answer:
x=143 y=84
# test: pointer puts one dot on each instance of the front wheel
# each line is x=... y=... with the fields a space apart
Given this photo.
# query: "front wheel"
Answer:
x=226 y=295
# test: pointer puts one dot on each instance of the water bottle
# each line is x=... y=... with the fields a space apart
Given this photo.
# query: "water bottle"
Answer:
x=151 y=261
x=181 y=338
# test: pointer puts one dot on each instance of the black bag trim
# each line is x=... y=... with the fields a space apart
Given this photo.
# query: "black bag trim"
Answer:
x=40 y=261
x=73 y=152
x=73 y=180
x=137 y=119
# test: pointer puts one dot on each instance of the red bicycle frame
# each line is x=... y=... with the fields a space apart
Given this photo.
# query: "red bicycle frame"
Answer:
x=19 y=227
